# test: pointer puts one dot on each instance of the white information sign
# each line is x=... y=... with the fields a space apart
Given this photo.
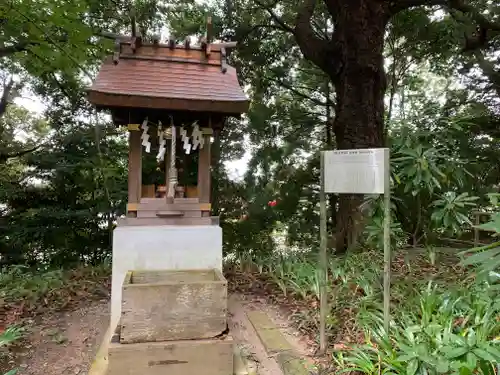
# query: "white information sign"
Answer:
x=364 y=171
x=356 y=171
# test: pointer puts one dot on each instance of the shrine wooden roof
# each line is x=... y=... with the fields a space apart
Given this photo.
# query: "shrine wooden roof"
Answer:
x=169 y=77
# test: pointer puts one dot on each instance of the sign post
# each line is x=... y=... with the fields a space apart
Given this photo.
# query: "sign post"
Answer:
x=363 y=171
x=323 y=260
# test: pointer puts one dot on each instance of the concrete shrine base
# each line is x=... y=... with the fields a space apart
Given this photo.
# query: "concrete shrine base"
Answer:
x=182 y=357
x=161 y=247
x=100 y=365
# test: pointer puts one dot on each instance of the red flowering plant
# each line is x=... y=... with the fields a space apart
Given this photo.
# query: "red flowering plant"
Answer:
x=272 y=203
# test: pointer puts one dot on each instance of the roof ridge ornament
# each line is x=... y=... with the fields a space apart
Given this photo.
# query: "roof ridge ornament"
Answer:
x=171 y=42
x=223 y=61
x=206 y=41
x=117 y=51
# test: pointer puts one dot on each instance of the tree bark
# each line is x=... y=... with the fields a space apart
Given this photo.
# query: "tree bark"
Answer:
x=360 y=88
x=353 y=59
x=332 y=198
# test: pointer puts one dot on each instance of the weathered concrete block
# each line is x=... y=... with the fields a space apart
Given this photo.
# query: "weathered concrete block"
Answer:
x=205 y=356
x=173 y=305
x=162 y=247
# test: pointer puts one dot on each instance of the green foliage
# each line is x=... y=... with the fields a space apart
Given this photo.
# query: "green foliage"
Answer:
x=69 y=213
x=21 y=130
x=421 y=166
x=10 y=336
x=289 y=121
x=374 y=229
x=355 y=284
x=432 y=168
x=455 y=332
x=451 y=211
x=31 y=292
x=450 y=331
x=487 y=258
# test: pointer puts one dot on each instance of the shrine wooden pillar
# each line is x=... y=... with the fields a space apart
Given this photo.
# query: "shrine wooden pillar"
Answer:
x=134 y=171
x=204 y=172
x=168 y=157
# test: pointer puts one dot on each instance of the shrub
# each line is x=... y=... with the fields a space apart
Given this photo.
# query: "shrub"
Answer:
x=456 y=332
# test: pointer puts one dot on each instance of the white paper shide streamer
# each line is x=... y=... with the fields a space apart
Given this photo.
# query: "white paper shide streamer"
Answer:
x=185 y=140
x=145 y=136
x=162 y=143
x=197 y=136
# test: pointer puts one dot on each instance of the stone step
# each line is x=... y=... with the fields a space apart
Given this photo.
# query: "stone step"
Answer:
x=241 y=366
x=183 y=357
x=276 y=344
x=169 y=213
x=176 y=220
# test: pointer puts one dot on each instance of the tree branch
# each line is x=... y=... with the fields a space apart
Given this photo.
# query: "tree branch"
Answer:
x=4 y=157
x=18 y=47
x=460 y=5
x=282 y=24
x=4 y=100
x=489 y=70
x=246 y=33
x=397 y=6
x=24 y=45
x=319 y=51
x=473 y=13
x=299 y=93
x=478 y=41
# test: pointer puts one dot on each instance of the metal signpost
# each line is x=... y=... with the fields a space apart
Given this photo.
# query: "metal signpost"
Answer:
x=364 y=171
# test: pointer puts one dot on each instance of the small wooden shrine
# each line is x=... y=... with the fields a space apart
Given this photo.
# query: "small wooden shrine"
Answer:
x=174 y=99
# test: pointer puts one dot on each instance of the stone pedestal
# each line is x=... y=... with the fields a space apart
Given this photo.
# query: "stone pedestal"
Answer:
x=182 y=357
x=162 y=247
x=169 y=301
x=173 y=305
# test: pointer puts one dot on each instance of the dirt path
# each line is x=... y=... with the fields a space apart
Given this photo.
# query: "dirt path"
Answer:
x=247 y=339
x=242 y=329
x=66 y=344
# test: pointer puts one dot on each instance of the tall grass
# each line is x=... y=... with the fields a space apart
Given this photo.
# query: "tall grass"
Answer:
x=453 y=332
x=442 y=323
x=43 y=290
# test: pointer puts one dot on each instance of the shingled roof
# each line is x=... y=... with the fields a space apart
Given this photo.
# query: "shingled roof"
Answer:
x=169 y=77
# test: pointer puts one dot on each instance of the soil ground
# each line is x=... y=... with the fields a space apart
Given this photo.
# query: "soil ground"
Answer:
x=66 y=343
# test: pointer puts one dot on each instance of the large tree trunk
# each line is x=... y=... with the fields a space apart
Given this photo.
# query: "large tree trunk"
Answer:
x=353 y=58
x=360 y=89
